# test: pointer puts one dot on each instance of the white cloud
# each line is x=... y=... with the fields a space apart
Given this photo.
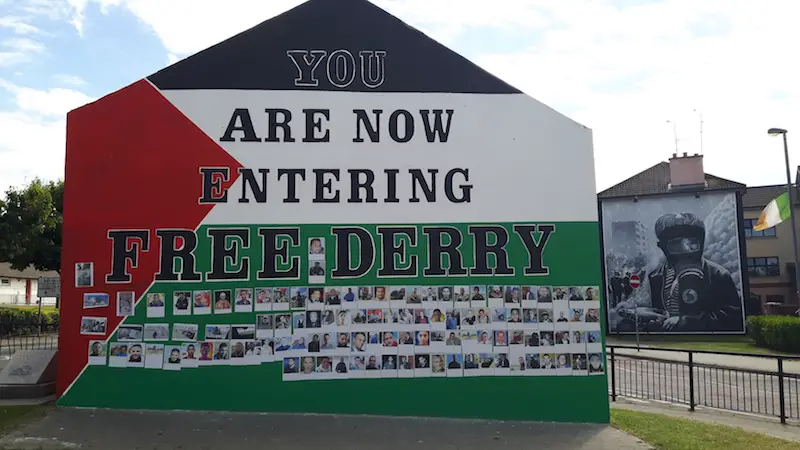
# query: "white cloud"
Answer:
x=18 y=25
x=72 y=80
x=623 y=71
x=35 y=145
x=23 y=45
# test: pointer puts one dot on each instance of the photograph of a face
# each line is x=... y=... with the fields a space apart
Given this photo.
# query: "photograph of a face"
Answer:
x=182 y=303
x=135 y=355
x=222 y=302
x=95 y=300
x=156 y=304
x=125 y=302
x=202 y=302
x=97 y=353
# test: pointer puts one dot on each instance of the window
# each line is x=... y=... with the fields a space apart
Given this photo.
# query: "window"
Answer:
x=750 y=232
x=5 y=282
x=763 y=267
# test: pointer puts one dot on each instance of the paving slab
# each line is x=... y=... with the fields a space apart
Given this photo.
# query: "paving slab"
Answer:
x=157 y=430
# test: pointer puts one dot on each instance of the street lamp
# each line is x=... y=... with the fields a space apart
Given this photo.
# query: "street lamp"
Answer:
x=782 y=132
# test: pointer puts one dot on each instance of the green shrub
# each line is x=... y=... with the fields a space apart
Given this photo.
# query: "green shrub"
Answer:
x=26 y=321
x=781 y=333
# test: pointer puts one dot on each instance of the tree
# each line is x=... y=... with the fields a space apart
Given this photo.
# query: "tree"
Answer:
x=30 y=226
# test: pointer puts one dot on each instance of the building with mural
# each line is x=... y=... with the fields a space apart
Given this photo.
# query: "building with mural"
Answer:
x=680 y=231
x=325 y=198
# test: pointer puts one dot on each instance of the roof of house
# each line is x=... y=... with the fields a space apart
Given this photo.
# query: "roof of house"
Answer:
x=759 y=196
x=30 y=273
x=655 y=180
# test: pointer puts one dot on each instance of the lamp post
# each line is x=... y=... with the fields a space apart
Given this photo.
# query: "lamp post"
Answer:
x=782 y=132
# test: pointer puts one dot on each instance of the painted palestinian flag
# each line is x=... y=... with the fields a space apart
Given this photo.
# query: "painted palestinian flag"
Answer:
x=328 y=197
x=777 y=210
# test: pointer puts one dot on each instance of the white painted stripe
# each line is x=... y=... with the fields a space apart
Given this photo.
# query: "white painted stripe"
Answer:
x=525 y=161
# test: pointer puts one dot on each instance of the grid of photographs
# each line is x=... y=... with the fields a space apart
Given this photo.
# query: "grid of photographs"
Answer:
x=378 y=332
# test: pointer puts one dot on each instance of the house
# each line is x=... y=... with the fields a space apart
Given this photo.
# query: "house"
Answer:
x=19 y=287
x=706 y=210
x=770 y=258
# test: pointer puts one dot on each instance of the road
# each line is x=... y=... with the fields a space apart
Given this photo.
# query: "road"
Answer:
x=720 y=381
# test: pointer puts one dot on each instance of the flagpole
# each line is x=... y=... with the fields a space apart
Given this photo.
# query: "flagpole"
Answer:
x=790 y=189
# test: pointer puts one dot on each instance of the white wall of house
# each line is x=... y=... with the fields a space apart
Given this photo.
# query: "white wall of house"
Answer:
x=12 y=292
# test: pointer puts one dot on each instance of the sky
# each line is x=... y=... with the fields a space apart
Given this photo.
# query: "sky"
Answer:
x=639 y=73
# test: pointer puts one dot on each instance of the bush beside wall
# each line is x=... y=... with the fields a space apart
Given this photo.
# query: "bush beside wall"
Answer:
x=781 y=333
x=23 y=321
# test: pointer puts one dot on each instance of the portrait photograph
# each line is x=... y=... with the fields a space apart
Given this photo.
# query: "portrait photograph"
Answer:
x=455 y=365
x=264 y=326
x=400 y=294
x=316 y=298
x=129 y=333
x=206 y=352
x=316 y=248
x=182 y=303
x=93 y=325
x=513 y=296
x=314 y=319
x=97 y=353
x=333 y=297
x=156 y=304
x=496 y=296
x=531 y=339
x=438 y=365
x=349 y=295
x=316 y=272
x=445 y=294
x=282 y=324
x=281 y=298
x=477 y=296
x=95 y=300
x=118 y=354
x=291 y=366
x=580 y=365
x=529 y=296
x=263 y=299
x=299 y=297
x=135 y=355
x=125 y=302
x=359 y=342
x=298 y=320
x=244 y=300
x=202 y=302
x=189 y=356
x=172 y=357
x=389 y=366
x=84 y=275
x=461 y=295
x=222 y=302
x=222 y=353
x=422 y=365
x=544 y=294
x=342 y=365
x=430 y=295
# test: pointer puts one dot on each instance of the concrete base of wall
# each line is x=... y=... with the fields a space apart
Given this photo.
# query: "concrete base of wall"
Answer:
x=24 y=391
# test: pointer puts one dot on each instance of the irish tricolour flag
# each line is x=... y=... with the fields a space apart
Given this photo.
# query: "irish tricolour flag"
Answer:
x=776 y=212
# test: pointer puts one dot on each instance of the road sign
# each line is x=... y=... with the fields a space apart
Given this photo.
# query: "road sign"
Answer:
x=635 y=282
x=49 y=287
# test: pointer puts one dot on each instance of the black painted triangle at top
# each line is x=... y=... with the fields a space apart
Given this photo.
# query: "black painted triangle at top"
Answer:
x=257 y=59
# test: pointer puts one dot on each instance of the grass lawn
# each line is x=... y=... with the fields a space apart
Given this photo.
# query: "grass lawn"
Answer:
x=14 y=416
x=45 y=308
x=668 y=433
x=738 y=344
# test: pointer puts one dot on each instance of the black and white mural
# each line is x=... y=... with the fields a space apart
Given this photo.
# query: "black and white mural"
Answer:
x=686 y=253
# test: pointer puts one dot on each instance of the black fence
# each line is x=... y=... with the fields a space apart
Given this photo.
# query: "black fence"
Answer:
x=729 y=386
x=17 y=334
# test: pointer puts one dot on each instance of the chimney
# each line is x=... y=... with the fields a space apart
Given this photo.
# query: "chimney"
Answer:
x=686 y=170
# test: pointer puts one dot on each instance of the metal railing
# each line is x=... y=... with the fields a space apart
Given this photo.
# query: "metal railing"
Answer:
x=721 y=386
x=27 y=333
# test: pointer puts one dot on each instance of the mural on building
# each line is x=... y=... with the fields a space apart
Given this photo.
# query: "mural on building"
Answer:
x=685 y=250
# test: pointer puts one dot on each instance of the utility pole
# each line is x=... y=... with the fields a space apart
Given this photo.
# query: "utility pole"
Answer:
x=674 y=134
x=701 y=130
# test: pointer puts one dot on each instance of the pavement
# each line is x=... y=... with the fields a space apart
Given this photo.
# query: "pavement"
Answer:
x=156 y=430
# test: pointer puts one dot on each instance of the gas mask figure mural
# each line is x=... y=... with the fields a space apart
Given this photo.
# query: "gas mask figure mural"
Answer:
x=695 y=294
